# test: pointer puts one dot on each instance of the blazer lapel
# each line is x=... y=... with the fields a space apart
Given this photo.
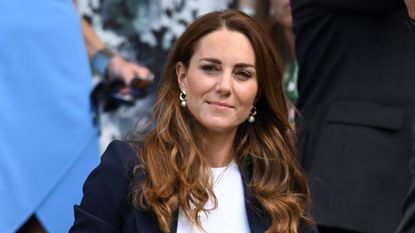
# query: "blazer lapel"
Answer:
x=258 y=221
x=173 y=228
x=146 y=222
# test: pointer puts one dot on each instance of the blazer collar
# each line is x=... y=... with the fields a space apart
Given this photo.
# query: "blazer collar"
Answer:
x=147 y=222
x=258 y=222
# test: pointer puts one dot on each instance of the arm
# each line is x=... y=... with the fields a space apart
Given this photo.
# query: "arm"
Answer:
x=92 y=41
x=114 y=66
x=105 y=203
x=117 y=67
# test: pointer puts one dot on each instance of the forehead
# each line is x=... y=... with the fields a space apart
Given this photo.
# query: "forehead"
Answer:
x=225 y=44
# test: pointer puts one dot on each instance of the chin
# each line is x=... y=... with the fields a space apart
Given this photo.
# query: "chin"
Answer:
x=220 y=128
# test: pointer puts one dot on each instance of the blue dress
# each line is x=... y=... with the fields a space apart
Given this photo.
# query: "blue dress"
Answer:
x=48 y=143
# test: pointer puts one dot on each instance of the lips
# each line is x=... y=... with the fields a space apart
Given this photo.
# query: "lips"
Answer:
x=220 y=104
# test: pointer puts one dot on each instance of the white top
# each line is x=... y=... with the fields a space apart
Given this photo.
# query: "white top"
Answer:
x=230 y=214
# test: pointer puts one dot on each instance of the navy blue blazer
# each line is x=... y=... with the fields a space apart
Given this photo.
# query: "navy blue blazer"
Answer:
x=356 y=84
x=105 y=206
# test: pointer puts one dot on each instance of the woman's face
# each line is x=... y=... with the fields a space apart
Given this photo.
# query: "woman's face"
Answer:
x=282 y=12
x=220 y=82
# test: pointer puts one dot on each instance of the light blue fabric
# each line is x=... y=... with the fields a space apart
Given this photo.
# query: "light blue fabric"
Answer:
x=48 y=143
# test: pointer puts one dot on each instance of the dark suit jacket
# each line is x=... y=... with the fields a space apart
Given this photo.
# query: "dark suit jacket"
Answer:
x=105 y=206
x=356 y=87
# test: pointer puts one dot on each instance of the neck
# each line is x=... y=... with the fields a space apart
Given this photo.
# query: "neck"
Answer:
x=220 y=149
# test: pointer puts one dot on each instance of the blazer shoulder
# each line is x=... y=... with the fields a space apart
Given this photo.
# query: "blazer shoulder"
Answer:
x=106 y=200
x=118 y=162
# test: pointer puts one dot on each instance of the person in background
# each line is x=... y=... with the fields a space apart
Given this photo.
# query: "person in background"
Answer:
x=407 y=224
x=48 y=143
x=121 y=85
x=356 y=98
x=249 y=7
x=107 y=63
x=222 y=148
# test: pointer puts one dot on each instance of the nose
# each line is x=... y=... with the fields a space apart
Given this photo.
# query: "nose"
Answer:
x=224 y=83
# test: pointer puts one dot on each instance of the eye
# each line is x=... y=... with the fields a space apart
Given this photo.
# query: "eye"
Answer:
x=243 y=74
x=209 y=68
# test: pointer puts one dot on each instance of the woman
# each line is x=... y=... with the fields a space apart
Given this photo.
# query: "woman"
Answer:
x=222 y=150
x=48 y=143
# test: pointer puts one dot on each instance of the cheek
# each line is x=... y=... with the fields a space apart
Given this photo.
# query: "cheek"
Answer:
x=194 y=90
x=198 y=85
x=247 y=97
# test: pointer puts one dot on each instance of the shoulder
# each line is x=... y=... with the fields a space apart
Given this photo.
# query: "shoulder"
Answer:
x=117 y=162
x=105 y=200
x=115 y=169
x=121 y=153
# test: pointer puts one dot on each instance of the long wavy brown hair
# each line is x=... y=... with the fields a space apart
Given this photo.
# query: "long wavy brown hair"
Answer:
x=173 y=155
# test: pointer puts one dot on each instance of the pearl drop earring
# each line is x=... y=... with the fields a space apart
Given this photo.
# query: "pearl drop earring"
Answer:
x=182 y=98
x=251 y=118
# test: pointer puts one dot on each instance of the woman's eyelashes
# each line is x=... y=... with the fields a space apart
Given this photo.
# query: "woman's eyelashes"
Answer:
x=210 y=69
x=239 y=73
x=243 y=74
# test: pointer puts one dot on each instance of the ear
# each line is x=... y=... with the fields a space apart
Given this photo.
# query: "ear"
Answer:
x=181 y=71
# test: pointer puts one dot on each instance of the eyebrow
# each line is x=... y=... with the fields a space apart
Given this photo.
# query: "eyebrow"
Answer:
x=217 y=61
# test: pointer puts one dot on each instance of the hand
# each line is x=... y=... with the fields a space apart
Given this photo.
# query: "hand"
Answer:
x=119 y=68
x=410 y=4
